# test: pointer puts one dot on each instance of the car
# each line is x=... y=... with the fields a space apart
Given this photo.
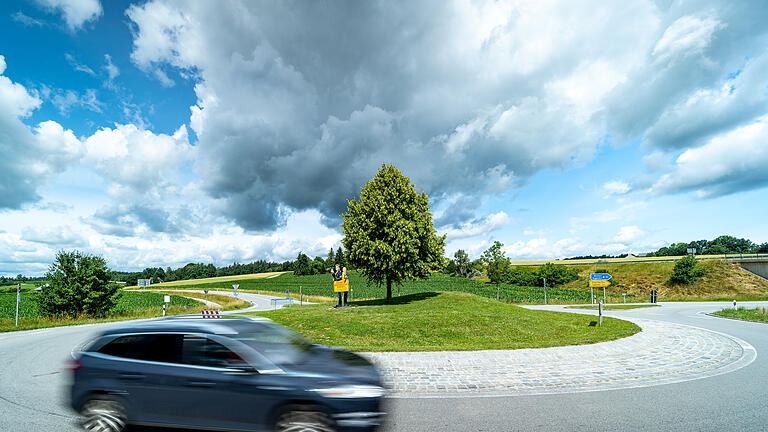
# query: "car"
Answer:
x=226 y=373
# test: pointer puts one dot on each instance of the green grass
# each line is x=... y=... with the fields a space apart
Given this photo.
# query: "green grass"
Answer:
x=227 y=303
x=615 y=306
x=758 y=314
x=432 y=321
x=321 y=286
x=131 y=305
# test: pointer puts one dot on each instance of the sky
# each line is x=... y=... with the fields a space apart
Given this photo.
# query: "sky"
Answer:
x=164 y=132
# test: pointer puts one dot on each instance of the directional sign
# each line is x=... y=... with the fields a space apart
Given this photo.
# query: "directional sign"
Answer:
x=599 y=283
x=167 y=299
x=599 y=276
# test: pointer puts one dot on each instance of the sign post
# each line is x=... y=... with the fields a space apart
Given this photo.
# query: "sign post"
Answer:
x=545 y=290
x=166 y=300
x=235 y=286
x=18 y=300
x=206 y=293
x=599 y=280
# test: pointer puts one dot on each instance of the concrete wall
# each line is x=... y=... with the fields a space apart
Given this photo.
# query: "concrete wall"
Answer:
x=758 y=268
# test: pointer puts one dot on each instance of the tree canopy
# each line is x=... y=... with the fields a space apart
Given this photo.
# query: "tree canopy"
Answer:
x=78 y=284
x=388 y=232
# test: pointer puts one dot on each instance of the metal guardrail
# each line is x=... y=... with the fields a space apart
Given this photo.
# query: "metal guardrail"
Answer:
x=280 y=301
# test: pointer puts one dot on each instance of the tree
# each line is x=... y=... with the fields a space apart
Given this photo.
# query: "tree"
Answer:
x=340 y=258
x=331 y=259
x=303 y=265
x=78 y=284
x=558 y=274
x=686 y=271
x=463 y=264
x=496 y=264
x=388 y=233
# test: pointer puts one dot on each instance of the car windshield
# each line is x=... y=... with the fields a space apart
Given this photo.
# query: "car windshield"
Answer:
x=279 y=344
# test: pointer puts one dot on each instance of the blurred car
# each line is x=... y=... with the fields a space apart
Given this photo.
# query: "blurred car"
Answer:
x=231 y=373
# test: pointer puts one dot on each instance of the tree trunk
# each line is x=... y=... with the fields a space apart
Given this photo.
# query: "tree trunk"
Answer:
x=389 y=290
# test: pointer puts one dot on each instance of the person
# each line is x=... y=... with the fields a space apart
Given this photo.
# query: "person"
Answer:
x=345 y=279
x=338 y=286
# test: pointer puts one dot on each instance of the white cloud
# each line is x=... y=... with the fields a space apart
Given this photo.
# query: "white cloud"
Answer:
x=112 y=70
x=628 y=233
x=728 y=163
x=615 y=187
x=482 y=227
x=75 y=12
x=687 y=36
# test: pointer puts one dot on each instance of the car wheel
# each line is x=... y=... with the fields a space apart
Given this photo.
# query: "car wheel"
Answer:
x=103 y=414
x=303 y=419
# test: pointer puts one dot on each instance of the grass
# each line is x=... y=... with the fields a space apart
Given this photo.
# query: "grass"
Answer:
x=130 y=306
x=319 y=287
x=616 y=307
x=758 y=314
x=217 y=280
x=439 y=321
x=723 y=281
x=12 y=288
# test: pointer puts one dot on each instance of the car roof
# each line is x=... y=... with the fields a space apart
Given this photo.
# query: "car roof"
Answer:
x=227 y=325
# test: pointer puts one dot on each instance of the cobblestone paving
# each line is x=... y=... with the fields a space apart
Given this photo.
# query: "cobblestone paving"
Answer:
x=662 y=353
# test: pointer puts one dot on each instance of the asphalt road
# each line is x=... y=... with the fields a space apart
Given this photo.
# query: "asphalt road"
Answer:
x=32 y=389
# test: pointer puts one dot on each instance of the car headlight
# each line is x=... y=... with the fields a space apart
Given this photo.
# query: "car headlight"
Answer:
x=351 y=391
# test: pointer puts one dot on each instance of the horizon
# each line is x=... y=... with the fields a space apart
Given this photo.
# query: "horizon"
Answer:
x=161 y=133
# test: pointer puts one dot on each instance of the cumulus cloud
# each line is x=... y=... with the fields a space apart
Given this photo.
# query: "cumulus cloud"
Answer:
x=628 y=233
x=731 y=162
x=298 y=106
x=479 y=227
x=615 y=187
x=75 y=12
x=30 y=156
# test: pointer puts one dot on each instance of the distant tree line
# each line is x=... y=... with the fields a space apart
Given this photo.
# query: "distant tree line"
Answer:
x=303 y=265
x=5 y=280
x=721 y=245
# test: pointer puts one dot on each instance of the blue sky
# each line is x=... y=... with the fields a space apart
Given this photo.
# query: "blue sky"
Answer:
x=163 y=132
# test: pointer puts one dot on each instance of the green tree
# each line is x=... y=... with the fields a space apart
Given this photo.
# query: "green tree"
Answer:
x=340 y=258
x=463 y=264
x=496 y=264
x=686 y=271
x=388 y=233
x=331 y=259
x=78 y=284
x=558 y=274
x=303 y=265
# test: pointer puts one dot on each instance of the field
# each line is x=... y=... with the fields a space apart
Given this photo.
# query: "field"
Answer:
x=219 y=280
x=428 y=322
x=319 y=286
x=227 y=302
x=722 y=281
x=628 y=260
x=131 y=305
x=757 y=314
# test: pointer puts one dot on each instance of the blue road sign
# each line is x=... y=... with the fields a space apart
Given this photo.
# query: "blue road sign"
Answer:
x=599 y=276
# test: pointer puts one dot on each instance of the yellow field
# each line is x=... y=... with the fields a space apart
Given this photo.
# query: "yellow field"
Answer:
x=218 y=279
x=626 y=260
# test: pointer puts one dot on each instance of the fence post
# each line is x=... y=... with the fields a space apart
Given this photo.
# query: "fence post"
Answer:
x=18 y=300
x=600 y=311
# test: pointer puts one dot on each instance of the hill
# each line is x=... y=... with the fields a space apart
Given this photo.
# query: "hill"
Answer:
x=722 y=281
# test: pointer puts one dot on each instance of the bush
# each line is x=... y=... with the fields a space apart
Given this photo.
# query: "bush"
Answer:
x=79 y=284
x=686 y=271
x=524 y=276
x=558 y=274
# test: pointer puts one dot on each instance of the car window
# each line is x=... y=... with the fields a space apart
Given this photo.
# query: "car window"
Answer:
x=202 y=351
x=153 y=347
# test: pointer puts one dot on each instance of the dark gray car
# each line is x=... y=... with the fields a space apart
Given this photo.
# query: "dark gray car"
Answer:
x=222 y=374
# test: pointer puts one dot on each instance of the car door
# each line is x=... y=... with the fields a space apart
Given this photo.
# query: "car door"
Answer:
x=212 y=388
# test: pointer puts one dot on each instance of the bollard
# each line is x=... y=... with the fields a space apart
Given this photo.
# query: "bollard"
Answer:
x=600 y=311
x=163 y=309
x=625 y=298
x=300 y=296
x=18 y=300
x=734 y=305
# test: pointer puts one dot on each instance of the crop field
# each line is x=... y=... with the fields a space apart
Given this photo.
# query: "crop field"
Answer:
x=130 y=302
x=218 y=279
x=321 y=286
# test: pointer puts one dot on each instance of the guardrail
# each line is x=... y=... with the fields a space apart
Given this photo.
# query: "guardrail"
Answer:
x=280 y=302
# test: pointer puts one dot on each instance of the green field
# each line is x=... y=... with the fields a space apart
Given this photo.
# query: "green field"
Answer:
x=431 y=321
x=217 y=279
x=321 y=286
x=757 y=314
x=131 y=305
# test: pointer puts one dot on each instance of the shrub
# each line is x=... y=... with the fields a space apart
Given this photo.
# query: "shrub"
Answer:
x=524 y=276
x=79 y=284
x=686 y=271
x=558 y=274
